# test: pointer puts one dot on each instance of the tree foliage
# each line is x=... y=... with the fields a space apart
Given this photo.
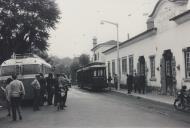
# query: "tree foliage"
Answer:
x=62 y=65
x=84 y=59
x=25 y=25
x=74 y=67
x=78 y=62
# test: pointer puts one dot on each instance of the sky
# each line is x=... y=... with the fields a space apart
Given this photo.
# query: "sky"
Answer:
x=80 y=22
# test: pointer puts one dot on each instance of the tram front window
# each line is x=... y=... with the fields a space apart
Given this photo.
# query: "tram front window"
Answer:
x=31 y=69
x=8 y=70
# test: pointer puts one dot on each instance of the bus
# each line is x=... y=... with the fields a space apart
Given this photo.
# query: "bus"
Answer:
x=26 y=67
x=92 y=76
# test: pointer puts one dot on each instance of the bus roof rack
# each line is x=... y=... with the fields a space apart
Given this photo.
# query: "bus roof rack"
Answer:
x=21 y=56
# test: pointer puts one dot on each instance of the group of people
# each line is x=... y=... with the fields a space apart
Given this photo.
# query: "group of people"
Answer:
x=45 y=89
x=50 y=89
x=136 y=82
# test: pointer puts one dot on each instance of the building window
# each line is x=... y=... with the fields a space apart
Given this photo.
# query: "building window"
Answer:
x=108 y=67
x=131 y=65
x=152 y=66
x=124 y=65
x=95 y=57
x=113 y=66
x=187 y=62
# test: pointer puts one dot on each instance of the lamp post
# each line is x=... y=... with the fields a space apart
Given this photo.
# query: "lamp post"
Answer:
x=118 y=62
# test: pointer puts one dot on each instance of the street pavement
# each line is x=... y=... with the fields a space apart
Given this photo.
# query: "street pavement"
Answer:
x=101 y=109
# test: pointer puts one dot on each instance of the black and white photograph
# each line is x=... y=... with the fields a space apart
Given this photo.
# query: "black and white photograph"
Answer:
x=95 y=63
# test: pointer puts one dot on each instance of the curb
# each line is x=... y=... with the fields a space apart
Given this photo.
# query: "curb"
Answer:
x=139 y=97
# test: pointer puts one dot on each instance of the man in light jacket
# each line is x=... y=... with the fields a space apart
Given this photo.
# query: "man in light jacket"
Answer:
x=16 y=93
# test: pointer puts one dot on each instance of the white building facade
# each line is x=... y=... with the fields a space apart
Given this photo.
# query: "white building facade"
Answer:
x=97 y=49
x=161 y=53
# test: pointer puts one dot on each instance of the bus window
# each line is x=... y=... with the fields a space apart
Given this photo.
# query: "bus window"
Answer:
x=31 y=69
x=17 y=69
x=8 y=70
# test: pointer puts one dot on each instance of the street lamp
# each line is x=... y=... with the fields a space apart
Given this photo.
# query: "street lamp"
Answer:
x=118 y=62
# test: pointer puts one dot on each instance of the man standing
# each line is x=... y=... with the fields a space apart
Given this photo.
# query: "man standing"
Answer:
x=130 y=83
x=115 y=81
x=16 y=93
x=7 y=91
x=50 y=88
x=42 y=82
x=135 y=82
x=63 y=81
x=56 y=85
x=109 y=81
x=36 y=88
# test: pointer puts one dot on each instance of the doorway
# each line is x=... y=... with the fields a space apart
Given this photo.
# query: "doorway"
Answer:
x=142 y=73
x=168 y=73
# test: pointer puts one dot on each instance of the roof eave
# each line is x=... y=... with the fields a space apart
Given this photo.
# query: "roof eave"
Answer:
x=132 y=40
x=179 y=18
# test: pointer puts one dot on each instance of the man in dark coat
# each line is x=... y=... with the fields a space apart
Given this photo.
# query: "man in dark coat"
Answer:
x=50 y=88
x=109 y=81
x=143 y=84
x=56 y=85
x=129 y=83
x=42 y=82
x=115 y=78
x=135 y=82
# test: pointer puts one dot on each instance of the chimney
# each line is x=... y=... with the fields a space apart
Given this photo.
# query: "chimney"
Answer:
x=128 y=36
x=150 y=23
x=94 y=42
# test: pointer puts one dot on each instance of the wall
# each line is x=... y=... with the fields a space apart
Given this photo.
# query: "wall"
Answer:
x=99 y=51
x=175 y=39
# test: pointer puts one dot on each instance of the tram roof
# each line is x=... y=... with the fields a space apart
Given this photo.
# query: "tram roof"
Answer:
x=91 y=67
x=24 y=60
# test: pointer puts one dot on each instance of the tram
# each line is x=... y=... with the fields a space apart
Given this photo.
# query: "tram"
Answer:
x=26 y=67
x=92 y=76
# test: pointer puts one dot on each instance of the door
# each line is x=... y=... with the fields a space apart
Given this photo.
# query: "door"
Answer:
x=168 y=71
x=141 y=66
x=142 y=73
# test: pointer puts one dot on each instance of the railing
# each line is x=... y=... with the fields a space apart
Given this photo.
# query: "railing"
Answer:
x=21 y=56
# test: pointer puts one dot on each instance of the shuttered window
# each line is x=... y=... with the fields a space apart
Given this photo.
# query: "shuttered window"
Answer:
x=131 y=65
x=152 y=66
x=187 y=63
x=124 y=65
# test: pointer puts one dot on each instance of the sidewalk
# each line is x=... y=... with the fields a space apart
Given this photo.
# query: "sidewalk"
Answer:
x=150 y=96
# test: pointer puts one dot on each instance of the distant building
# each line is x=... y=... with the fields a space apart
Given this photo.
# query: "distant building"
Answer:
x=97 y=49
x=161 y=53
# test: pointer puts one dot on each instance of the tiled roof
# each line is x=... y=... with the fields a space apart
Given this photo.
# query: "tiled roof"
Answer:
x=111 y=42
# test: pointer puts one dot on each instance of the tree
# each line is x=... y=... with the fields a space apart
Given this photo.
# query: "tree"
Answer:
x=62 y=65
x=77 y=63
x=74 y=67
x=25 y=25
x=84 y=59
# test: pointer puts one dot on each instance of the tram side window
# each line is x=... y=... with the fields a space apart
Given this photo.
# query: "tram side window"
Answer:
x=95 y=73
x=100 y=72
x=31 y=69
x=8 y=70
